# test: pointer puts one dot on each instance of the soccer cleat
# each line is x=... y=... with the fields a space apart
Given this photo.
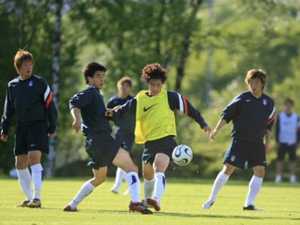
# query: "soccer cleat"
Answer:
x=35 y=203
x=139 y=207
x=251 y=207
x=145 y=203
x=23 y=204
x=68 y=208
x=114 y=190
x=126 y=192
x=208 y=204
x=154 y=203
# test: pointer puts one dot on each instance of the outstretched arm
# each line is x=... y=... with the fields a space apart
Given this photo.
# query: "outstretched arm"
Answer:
x=219 y=126
x=179 y=102
x=122 y=112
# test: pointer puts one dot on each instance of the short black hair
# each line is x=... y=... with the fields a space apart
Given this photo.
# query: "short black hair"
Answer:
x=90 y=69
x=288 y=100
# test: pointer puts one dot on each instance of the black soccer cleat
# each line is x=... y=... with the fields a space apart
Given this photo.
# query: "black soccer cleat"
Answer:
x=251 y=207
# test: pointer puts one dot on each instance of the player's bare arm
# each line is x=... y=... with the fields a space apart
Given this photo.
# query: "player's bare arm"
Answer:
x=77 y=120
x=219 y=126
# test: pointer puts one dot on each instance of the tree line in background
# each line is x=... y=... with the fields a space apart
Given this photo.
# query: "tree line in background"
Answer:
x=189 y=37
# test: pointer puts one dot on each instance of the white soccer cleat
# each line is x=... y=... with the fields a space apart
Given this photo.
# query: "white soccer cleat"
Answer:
x=126 y=192
x=114 y=190
x=208 y=204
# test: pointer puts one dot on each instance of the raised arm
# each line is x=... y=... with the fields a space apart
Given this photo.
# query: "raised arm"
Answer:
x=122 y=112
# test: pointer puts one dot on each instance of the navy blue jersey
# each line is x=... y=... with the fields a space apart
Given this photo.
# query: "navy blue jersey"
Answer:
x=251 y=116
x=176 y=102
x=92 y=106
x=122 y=125
x=29 y=100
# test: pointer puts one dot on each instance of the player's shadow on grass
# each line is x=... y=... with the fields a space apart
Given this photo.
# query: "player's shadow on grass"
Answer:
x=222 y=216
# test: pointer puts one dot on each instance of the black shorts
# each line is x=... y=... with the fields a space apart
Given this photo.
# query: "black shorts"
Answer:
x=164 y=145
x=126 y=139
x=285 y=148
x=31 y=136
x=245 y=154
x=101 y=148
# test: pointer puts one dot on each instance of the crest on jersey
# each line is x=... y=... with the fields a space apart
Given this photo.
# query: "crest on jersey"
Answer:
x=232 y=158
x=30 y=84
x=265 y=101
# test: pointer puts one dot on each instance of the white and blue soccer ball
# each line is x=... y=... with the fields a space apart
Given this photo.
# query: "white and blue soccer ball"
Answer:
x=182 y=155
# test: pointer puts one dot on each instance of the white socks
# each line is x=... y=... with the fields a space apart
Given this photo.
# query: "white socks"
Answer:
x=220 y=181
x=160 y=185
x=133 y=182
x=37 y=178
x=85 y=190
x=148 y=188
x=25 y=182
x=120 y=176
x=254 y=187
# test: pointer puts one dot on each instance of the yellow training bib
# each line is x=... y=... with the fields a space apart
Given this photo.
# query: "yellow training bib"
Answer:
x=154 y=118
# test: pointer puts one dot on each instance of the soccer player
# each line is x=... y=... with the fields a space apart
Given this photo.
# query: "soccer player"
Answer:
x=287 y=138
x=252 y=114
x=153 y=110
x=29 y=99
x=102 y=149
x=123 y=129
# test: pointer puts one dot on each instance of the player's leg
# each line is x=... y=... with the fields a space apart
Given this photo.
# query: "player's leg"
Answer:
x=124 y=161
x=279 y=163
x=87 y=188
x=160 y=165
x=34 y=158
x=292 y=164
x=24 y=178
x=219 y=183
x=149 y=180
x=120 y=176
x=254 y=187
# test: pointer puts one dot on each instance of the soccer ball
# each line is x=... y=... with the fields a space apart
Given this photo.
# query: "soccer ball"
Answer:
x=182 y=155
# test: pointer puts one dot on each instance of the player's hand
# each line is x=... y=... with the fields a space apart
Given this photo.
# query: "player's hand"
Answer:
x=267 y=149
x=76 y=125
x=4 y=137
x=207 y=129
x=50 y=135
x=109 y=112
x=213 y=134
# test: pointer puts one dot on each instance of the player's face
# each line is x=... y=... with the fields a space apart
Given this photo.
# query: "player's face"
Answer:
x=256 y=86
x=26 y=69
x=288 y=107
x=98 y=79
x=124 y=89
x=155 y=86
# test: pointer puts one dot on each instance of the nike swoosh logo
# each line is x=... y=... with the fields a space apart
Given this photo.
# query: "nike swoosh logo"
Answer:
x=146 y=109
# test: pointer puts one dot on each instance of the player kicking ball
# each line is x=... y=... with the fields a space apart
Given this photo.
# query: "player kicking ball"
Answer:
x=252 y=114
x=153 y=110
x=102 y=149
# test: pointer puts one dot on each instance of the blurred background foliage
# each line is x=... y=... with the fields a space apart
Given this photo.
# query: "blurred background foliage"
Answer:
x=207 y=46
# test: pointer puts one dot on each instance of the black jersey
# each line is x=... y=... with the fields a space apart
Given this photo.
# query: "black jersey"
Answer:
x=122 y=125
x=251 y=116
x=176 y=102
x=29 y=100
x=93 y=109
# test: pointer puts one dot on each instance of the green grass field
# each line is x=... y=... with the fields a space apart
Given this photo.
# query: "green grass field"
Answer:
x=181 y=205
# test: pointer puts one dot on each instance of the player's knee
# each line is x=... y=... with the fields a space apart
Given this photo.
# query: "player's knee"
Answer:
x=228 y=169
x=132 y=168
x=21 y=165
x=33 y=159
x=148 y=175
x=97 y=181
x=259 y=172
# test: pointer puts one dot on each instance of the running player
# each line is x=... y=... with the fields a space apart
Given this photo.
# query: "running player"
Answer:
x=123 y=129
x=287 y=138
x=252 y=114
x=29 y=99
x=102 y=149
x=153 y=110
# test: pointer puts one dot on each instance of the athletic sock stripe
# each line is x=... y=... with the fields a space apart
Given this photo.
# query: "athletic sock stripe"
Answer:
x=133 y=179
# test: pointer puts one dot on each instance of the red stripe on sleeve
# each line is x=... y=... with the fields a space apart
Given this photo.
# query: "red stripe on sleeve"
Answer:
x=49 y=100
x=186 y=110
x=271 y=120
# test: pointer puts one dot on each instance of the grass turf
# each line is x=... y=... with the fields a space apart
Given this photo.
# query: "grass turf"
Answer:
x=181 y=204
